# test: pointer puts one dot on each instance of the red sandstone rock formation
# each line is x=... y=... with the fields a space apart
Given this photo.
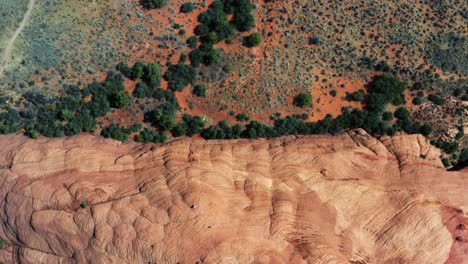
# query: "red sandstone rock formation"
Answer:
x=349 y=198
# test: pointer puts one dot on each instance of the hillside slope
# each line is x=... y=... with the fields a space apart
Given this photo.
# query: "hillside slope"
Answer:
x=349 y=198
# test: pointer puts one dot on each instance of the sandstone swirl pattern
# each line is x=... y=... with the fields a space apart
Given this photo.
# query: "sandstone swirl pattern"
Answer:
x=349 y=198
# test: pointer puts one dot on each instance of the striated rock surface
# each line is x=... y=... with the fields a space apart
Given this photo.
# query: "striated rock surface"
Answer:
x=349 y=198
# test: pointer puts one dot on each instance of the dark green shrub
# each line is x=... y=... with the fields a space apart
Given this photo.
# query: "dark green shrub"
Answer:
x=120 y=99
x=116 y=132
x=253 y=40
x=206 y=53
x=383 y=66
x=201 y=30
x=447 y=147
x=152 y=74
x=222 y=131
x=179 y=76
x=402 y=113
x=333 y=92
x=154 y=3
x=387 y=116
x=436 y=99
x=243 y=21
x=463 y=158
x=382 y=90
x=446 y=162
x=425 y=129
x=194 y=124
x=357 y=96
x=303 y=100
x=242 y=117
x=187 y=7
x=192 y=42
x=199 y=90
x=33 y=134
x=399 y=100
x=315 y=40
x=179 y=130
x=163 y=116
x=124 y=69
x=138 y=70
x=141 y=90
x=417 y=86
x=149 y=135
x=418 y=100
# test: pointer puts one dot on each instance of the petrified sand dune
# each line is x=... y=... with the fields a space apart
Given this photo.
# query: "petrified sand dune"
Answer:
x=349 y=198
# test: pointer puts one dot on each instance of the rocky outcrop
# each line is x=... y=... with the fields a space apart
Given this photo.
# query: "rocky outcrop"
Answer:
x=349 y=198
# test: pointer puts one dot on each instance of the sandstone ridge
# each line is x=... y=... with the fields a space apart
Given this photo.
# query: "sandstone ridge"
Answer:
x=348 y=198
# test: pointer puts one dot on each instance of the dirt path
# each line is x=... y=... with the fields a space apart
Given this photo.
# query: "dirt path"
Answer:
x=5 y=57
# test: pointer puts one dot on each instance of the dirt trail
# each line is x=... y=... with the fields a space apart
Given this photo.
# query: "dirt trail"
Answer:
x=5 y=57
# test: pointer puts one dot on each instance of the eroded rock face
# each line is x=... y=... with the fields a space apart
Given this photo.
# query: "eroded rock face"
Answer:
x=321 y=199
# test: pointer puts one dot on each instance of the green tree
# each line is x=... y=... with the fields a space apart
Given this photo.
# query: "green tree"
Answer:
x=357 y=96
x=303 y=100
x=199 y=90
x=154 y=3
x=152 y=74
x=116 y=132
x=382 y=90
x=436 y=99
x=192 y=42
x=244 y=21
x=138 y=70
x=187 y=7
x=179 y=130
x=387 y=116
x=180 y=75
x=402 y=113
x=120 y=99
x=124 y=69
x=253 y=40
x=141 y=90
x=242 y=117
x=150 y=135
x=418 y=100
x=425 y=129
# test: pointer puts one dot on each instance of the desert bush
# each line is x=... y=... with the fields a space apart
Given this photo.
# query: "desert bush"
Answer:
x=141 y=90
x=152 y=74
x=436 y=99
x=187 y=7
x=199 y=90
x=120 y=99
x=150 y=135
x=179 y=76
x=242 y=117
x=154 y=3
x=382 y=90
x=357 y=96
x=116 y=132
x=138 y=70
x=163 y=116
x=387 y=116
x=192 y=42
x=418 y=100
x=402 y=113
x=303 y=100
x=252 y=40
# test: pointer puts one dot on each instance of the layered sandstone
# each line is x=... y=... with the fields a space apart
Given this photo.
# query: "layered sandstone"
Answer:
x=349 y=198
